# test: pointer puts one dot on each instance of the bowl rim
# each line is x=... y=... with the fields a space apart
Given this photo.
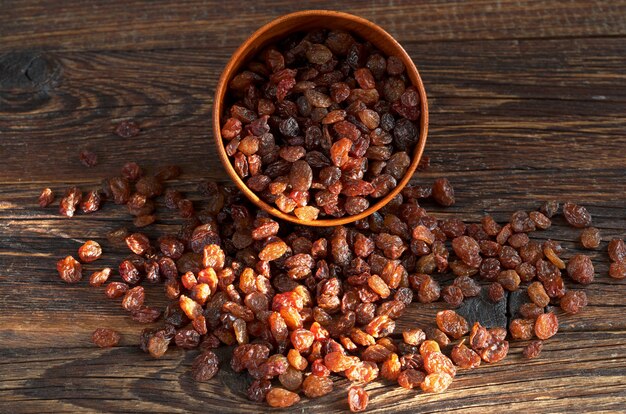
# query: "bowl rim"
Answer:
x=242 y=54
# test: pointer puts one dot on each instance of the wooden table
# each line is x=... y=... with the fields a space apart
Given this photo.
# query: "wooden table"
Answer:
x=528 y=103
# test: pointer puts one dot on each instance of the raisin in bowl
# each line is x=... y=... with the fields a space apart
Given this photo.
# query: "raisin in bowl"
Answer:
x=320 y=118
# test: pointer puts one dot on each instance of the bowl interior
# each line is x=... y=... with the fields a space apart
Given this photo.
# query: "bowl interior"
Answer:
x=300 y=22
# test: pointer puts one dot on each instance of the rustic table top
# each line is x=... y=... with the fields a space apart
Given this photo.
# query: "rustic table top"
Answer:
x=527 y=101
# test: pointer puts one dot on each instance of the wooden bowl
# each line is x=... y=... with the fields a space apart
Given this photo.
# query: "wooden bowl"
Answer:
x=303 y=21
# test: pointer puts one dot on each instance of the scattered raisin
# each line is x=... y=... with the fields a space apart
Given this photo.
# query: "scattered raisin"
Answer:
x=46 y=197
x=533 y=349
x=88 y=158
x=89 y=251
x=105 y=338
x=576 y=216
x=70 y=270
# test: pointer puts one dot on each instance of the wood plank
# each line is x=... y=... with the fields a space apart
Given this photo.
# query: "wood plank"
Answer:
x=528 y=106
x=207 y=24
x=527 y=103
x=105 y=379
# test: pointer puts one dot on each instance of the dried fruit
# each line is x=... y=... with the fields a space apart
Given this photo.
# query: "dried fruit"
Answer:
x=105 y=337
x=436 y=382
x=100 y=277
x=452 y=323
x=464 y=357
x=316 y=114
x=546 y=325
x=576 y=216
x=70 y=270
x=411 y=378
x=617 y=250
x=573 y=301
x=127 y=129
x=46 y=197
x=205 y=366
x=88 y=158
x=281 y=398
x=315 y=386
x=443 y=193
x=533 y=349
x=580 y=268
x=89 y=251
x=590 y=238
x=357 y=399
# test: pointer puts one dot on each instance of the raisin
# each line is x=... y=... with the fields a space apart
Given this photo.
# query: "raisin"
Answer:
x=443 y=193
x=541 y=221
x=576 y=216
x=127 y=129
x=617 y=250
x=546 y=325
x=90 y=251
x=257 y=391
x=145 y=314
x=205 y=366
x=452 y=324
x=495 y=352
x=520 y=222
x=131 y=171
x=88 y=158
x=120 y=189
x=538 y=294
x=315 y=386
x=590 y=238
x=549 y=208
x=573 y=301
x=100 y=277
x=138 y=243
x=91 y=203
x=469 y=287
x=617 y=270
x=509 y=279
x=468 y=250
x=414 y=336
x=452 y=295
x=115 y=290
x=72 y=198
x=580 y=269
x=129 y=272
x=46 y=197
x=105 y=338
x=436 y=382
x=521 y=328
x=70 y=270
x=533 y=349
x=464 y=357
x=133 y=299
x=300 y=176
x=496 y=292
x=410 y=378
x=157 y=345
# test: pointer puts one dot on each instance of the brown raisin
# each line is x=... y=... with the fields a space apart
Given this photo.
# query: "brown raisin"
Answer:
x=105 y=338
x=533 y=349
x=69 y=270
x=576 y=216
x=46 y=197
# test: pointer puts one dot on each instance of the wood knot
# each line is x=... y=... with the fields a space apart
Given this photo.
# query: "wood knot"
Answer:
x=28 y=70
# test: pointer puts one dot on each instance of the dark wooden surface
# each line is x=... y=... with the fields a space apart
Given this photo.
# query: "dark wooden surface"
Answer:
x=528 y=102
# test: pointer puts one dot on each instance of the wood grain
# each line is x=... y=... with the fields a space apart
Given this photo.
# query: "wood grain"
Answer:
x=209 y=25
x=527 y=101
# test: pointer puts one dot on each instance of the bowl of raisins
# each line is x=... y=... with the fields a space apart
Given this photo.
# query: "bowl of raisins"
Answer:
x=320 y=118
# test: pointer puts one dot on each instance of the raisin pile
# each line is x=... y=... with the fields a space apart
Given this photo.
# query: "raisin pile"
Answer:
x=303 y=304
x=323 y=124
